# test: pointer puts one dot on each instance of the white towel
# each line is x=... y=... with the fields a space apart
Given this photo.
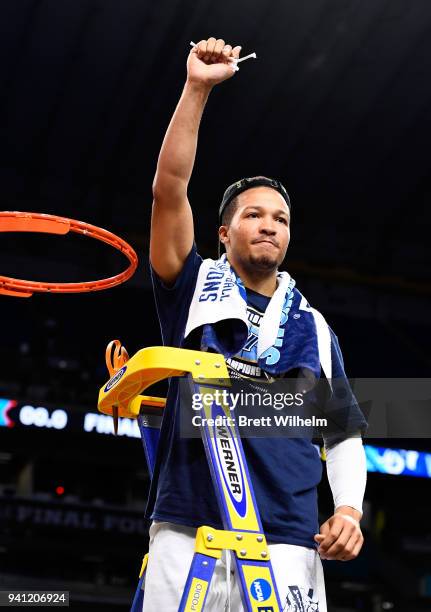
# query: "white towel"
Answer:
x=220 y=294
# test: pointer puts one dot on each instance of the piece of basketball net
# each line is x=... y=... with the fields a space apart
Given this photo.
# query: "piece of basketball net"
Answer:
x=15 y=221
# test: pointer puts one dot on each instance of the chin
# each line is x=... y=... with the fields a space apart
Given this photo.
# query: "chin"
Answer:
x=264 y=262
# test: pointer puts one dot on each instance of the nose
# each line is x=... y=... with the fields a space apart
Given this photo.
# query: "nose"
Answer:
x=268 y=226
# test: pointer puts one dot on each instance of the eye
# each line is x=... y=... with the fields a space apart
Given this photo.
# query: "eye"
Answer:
x=252 y=214
x=282 y=219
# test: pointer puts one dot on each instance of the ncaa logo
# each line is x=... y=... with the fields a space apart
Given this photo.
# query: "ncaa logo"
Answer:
x=260 y=589
x=116 y=378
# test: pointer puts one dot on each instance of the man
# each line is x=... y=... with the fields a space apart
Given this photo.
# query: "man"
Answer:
x=255 y=232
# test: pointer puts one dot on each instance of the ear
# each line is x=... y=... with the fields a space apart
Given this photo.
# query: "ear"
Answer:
x=223 y=234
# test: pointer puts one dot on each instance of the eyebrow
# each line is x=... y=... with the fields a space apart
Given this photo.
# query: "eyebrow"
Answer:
x=280 y=211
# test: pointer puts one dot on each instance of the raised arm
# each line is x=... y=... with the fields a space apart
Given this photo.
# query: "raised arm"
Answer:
x=172 y=220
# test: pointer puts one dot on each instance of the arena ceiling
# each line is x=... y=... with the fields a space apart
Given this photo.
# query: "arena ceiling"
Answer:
x=337 y=106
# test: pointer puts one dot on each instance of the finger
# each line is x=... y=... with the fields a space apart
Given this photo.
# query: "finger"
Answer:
x=342 y=545
x=358 y=546
x=201 y=48
x=226 y=51
x=347 y=554
x=324 y=529
x=211 y=42
x=235 y=52
x=216 y=56
x=331 y=536
x=353 y=549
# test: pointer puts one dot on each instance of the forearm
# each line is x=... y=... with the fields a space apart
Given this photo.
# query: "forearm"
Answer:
x=347 y=474
x=178 y=152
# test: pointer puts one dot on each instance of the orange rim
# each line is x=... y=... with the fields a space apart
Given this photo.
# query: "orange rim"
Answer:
x=15 y=221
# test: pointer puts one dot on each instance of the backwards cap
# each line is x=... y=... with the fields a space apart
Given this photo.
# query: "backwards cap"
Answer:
x=247 y=183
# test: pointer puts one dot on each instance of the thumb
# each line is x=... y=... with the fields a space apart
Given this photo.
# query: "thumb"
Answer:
x=324 y=528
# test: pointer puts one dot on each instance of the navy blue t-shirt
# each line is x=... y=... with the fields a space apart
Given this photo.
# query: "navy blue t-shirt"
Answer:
x=284 y=472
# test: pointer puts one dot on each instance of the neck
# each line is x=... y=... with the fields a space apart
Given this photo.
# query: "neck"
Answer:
x=261 y=281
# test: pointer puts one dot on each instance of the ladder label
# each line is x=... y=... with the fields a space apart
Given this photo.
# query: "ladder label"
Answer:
x=260 y=587
x=196 y=598
x=228 y=460
x=230 y=463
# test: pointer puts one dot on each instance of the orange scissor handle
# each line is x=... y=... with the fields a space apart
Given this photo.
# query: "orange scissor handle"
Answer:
x=115 y=356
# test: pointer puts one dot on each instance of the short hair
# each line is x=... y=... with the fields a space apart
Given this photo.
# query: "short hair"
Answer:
x=229 y=211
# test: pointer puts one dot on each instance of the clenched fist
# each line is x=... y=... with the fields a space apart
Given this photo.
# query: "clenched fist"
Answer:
x=210 y=62
x=340 y=538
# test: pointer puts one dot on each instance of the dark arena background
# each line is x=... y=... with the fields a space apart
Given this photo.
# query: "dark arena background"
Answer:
x=337 y=105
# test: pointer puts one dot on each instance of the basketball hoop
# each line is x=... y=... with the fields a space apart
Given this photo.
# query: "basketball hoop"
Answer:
x=14 y=221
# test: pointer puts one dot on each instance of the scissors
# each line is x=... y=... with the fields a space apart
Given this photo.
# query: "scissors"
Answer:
x=115 y=356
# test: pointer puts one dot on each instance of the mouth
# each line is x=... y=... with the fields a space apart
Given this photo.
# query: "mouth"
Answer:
x=266 y=241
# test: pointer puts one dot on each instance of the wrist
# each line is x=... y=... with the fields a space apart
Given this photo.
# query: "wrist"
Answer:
x=198 y=87
x=349 y=511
